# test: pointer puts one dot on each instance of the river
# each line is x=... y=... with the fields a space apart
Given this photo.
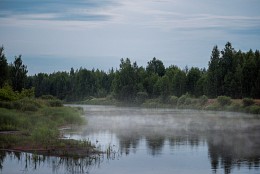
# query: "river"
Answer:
x=150 y=141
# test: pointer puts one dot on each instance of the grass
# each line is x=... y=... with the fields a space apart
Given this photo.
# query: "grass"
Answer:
x=221 y=103
x=33 y=124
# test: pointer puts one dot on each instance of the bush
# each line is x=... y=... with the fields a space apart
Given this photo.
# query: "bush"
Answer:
x=224 y=100
x=27 y=104
x=234 y=107
x=27 y=93
x=7 y=94
x=152 y=103
x=184 y=100
x=248 y=102
x=47 y=97
x=254 y=109
x=181 y=100
x=173 y=100
x=141 y=97
x=203 y=100
x=189 y=101
x=55 y=103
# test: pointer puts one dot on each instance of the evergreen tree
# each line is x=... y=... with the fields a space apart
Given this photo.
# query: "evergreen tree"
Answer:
x=18 y=74
x=213 y=77
x=3 y=68
x=193 y=77
x=156 y=66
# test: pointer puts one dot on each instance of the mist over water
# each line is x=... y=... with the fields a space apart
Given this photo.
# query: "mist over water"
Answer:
x=230 y=140
x=163 y=141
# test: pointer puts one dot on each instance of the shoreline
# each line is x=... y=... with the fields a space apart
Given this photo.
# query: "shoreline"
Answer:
x=235 y=105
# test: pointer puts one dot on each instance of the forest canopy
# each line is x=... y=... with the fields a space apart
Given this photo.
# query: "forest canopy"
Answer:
x=230 y=72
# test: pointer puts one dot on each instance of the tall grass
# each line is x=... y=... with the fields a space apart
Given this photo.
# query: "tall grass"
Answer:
x=38 y=118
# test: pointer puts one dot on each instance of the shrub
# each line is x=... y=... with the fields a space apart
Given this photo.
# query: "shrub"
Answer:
x=27 y=104
x=55 y=103
x=254 y=109
x=224 y=100
x=184 y=100
x=173 y=100
x=141 y=97
x=203 y=100
x=7 y=94
x=233 y=107
x=27 y=93
x=47 y=97
x=181 y=100
x=189 y=101
x=248 y=102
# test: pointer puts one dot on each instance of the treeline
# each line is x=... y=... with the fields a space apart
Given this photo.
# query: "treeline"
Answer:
x=230 y=73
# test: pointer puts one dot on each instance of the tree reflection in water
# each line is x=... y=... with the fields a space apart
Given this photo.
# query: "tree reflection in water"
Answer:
x=232 y=141
x=32 y=162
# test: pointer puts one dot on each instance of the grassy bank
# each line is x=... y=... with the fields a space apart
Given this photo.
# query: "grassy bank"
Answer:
x=222 y=103
x=33 y=125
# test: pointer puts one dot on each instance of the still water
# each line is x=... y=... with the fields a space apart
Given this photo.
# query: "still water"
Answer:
x=155 y=141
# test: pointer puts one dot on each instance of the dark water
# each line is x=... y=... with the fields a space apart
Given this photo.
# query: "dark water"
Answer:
x=155 y=141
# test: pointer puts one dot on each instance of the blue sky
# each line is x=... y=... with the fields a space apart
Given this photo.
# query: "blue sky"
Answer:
x=54 y=35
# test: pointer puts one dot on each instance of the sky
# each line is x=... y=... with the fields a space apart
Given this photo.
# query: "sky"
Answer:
x=55 y=35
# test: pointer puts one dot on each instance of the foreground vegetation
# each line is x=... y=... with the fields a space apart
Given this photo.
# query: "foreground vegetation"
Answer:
x=32 y=125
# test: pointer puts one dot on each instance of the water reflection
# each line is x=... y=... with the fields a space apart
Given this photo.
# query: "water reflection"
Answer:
x=233 y=139
x=207 y=142
x=32 y=163
x=234 y=149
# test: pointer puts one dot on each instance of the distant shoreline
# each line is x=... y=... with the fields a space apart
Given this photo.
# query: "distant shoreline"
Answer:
x=235 y=105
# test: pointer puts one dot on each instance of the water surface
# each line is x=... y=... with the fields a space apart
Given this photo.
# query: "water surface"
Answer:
x=156 y=141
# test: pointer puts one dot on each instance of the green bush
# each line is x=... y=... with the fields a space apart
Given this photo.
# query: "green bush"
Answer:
x=203 y=100
x=55 y=103
x=7 y=94
x=224 y=100
x=233 y=107
x=141 y=97
x=181 y=100
x=254 y=109
x=173 y=100
x=27 y=104
x=152 y=103
x=248 y=102
x=189 y=101
x=48 y=97
x=27 y=93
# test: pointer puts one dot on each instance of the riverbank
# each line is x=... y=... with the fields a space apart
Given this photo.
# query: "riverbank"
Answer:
x=32 y=125
x=222 y=103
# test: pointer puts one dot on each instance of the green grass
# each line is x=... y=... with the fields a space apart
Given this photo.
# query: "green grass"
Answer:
x=221 y=103
x=36 y=121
